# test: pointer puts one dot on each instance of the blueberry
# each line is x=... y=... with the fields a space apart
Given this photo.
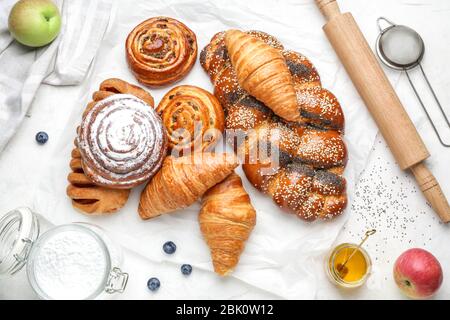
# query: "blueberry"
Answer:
x=169 y=247
x=153 y=284
x=41 y=137
x=186 y=269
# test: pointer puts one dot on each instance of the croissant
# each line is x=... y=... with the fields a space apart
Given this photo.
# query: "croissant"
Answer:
x=226 y=220
x=181 y=181
x=262 y=71
x=298 y=164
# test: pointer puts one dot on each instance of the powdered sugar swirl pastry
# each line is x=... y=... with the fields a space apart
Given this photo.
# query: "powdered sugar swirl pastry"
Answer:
x=122 y=142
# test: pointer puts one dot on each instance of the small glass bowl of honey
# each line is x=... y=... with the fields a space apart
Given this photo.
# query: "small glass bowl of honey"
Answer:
x=346 y=267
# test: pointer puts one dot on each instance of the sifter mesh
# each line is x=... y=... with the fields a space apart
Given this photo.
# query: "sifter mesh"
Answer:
x=401 y=46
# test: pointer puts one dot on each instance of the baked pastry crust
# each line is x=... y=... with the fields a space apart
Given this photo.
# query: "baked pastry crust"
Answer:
x=262 y=71
x=122 y=142
x=193 y=118
x=183 y=180
x=161 y=51
x=113 y=86
x=226 y=220
x=87 y=196
x=305 y=158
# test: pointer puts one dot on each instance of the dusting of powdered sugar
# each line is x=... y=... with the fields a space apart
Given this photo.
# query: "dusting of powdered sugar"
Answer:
x=122 y=139
x=70 y=264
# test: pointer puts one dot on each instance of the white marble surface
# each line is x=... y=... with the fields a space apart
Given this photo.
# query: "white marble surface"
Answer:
x=395 y=207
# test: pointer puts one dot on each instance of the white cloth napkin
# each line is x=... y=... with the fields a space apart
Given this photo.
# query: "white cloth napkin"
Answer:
x=64 y=62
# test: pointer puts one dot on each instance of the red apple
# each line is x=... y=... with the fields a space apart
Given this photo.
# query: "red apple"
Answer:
x=418 y=273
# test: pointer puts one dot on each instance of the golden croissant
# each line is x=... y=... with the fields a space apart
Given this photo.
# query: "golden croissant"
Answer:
x=262 y=71
x=226 y=220
x=181 y=181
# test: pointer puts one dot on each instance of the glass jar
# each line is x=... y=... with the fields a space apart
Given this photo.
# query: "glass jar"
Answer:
x=345 y=269
x=72 y=261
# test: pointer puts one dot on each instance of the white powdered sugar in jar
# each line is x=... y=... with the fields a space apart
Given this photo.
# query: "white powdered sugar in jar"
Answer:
x=70 y=264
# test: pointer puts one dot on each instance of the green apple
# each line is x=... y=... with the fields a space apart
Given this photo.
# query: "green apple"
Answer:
x=34 y=23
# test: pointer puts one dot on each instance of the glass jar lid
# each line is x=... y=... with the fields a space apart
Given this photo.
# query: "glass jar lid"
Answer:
x=19 y=228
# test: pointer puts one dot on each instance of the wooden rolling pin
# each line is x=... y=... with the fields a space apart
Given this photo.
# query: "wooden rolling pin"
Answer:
x=382 y=101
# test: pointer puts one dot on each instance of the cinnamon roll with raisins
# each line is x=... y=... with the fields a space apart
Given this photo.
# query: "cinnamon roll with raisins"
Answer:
x=161 y=51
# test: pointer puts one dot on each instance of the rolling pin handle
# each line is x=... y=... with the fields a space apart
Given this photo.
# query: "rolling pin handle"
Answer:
x=329 y=8
x=432 y=191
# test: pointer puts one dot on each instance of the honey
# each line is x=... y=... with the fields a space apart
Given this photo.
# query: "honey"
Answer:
x=348 y=270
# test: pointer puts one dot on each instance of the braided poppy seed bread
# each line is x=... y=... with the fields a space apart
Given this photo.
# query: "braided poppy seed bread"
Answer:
x=305 y=176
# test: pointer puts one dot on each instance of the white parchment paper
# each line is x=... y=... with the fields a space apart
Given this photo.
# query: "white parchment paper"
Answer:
x=284 y=255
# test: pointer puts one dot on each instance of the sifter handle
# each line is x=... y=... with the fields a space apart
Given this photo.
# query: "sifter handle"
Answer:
x=329 y=8
x=432 y=190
